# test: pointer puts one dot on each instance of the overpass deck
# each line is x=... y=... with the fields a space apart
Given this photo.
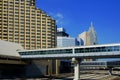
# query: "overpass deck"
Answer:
x=95 y=51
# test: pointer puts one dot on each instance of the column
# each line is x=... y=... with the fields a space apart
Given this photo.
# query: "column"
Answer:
x=76 y=68
x=57 y=67
x=110 y=71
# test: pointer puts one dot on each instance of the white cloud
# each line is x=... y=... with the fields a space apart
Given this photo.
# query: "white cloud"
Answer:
x=58 y=17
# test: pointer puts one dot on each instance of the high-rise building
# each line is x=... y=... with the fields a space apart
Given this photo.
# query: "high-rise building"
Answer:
x=88 y=37
x=22 y=22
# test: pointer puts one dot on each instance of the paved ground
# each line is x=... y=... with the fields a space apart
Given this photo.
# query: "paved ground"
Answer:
x=84 y=75
x=98 y=75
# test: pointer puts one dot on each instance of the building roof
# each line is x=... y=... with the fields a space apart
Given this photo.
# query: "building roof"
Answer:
x=9 y=49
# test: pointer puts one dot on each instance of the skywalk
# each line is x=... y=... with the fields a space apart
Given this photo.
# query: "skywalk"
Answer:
x=94 y=51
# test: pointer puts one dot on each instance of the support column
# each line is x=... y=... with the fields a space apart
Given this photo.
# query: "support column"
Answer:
x=110 y=71
x=49 y=67
x=57 y=67
x=76 y=68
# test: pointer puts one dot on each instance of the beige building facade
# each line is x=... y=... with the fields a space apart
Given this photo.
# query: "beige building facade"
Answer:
x=22 y=22
x=88 y=37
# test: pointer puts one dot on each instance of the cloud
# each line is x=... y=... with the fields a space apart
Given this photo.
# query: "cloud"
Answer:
x=58 y=17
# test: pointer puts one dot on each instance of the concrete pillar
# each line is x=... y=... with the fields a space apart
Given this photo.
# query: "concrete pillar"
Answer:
x=49 y=67
x=57 y=67
x=110 y=71
x=76 y=68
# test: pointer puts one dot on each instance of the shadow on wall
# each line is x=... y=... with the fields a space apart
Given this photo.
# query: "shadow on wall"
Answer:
x=35 y=69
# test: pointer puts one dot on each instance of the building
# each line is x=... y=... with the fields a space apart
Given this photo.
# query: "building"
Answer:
x=63 y=39
x=22 y=22
x=88 y=37
x=11 y=64
x=82 y=38
x=61 y=32
x=66 y=41
x=10 y=49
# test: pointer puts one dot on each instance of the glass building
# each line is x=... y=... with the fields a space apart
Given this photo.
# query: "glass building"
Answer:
x=66 y=41
x=63 y=39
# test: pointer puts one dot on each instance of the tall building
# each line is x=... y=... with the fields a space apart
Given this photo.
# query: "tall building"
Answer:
x=88 y=37
x=22 y=22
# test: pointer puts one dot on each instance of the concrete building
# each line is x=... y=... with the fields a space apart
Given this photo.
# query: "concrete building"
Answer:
x=11 y=64
x=10 y=49
x=22 y=22
x=88 y=37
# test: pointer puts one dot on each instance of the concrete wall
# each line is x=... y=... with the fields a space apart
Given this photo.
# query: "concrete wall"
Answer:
x=37 y=68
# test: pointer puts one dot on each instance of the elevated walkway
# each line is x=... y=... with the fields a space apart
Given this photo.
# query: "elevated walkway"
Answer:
x=76 y=53
x=95 y=51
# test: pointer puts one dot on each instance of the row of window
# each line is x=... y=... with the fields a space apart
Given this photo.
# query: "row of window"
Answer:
x=47 y=52
x=97 y=49
x=77 y=50
x=94 y=63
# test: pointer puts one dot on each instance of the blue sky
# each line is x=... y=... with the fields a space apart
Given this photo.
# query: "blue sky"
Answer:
x=76 y=15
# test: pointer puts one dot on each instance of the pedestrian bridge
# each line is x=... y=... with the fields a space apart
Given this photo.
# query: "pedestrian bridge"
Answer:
x=76 y=53
x=95 y=51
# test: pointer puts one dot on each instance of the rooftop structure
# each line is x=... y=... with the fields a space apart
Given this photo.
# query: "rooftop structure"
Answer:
x=9 y=49
x=61 y=32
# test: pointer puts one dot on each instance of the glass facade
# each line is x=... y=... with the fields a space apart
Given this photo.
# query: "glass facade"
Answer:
x=88 y=63
x=44 y=52
x=66 y=42
x=97 y=49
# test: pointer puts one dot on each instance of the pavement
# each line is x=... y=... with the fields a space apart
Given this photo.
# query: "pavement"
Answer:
x=84 y=75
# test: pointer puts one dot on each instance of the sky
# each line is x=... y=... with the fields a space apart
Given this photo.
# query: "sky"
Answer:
x=76 y=16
